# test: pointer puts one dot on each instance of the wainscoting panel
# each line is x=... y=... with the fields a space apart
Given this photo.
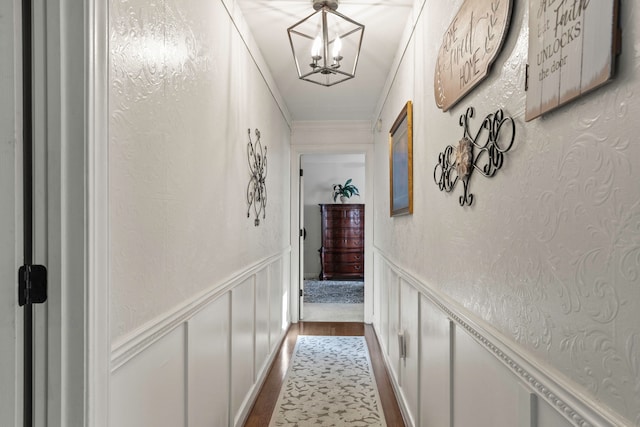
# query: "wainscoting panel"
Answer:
x=203 y=363
x=547 y=416
x=394 y=324
x=459 y=372
x=382 y=280
x=278 y=297
x=484 y=392
x=262 y=321
x=150 y=390
x=409 y=318
x=208 y=364
x=242 y=344
x=435 y=366
x=527 y=408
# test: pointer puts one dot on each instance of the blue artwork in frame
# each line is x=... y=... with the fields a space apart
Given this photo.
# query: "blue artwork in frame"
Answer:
x=401 y=163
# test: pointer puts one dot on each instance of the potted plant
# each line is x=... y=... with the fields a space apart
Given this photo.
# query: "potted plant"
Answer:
x=345 y=191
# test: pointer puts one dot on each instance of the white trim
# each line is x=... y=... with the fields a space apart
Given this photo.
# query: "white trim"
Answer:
x=65 y=61
x=143 y=337
x=97 y=342
x=341 y=125
x=579 y=409
x=296 y=153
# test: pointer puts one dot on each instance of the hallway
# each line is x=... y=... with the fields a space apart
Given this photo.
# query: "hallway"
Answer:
x=260 y=414
x=173 y=295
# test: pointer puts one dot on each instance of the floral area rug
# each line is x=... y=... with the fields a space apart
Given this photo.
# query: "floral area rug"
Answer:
x=333 y=291
x=330 y=383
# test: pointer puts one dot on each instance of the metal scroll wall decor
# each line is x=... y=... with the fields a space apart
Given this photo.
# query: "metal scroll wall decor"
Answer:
x=257 y=188
x=483 y=152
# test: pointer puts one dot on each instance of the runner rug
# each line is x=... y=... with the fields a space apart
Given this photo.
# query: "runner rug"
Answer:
x=330 y=383
x=334 y=291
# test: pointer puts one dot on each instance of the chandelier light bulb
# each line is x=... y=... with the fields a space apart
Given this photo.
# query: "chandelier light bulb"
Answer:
x=337 y=47
x=315 y=50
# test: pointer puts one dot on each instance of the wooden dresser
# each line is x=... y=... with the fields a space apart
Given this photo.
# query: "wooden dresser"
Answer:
x=342 y=251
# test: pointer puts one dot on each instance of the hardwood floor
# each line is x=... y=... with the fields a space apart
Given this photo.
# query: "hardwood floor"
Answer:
x=260 y=414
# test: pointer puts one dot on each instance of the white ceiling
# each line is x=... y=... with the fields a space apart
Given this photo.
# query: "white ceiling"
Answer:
x=354 y=99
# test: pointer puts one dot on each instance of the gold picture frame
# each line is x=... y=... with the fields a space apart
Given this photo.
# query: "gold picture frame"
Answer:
x=401 y=163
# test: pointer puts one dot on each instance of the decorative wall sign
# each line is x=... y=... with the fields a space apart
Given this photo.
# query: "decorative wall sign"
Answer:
x=401 y=162
x=572 y=45
x=257 y=188
x=469 y=47
x=471 y=153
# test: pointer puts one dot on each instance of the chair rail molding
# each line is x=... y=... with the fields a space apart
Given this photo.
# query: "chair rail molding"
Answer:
x=577 y=408
x=134 y=343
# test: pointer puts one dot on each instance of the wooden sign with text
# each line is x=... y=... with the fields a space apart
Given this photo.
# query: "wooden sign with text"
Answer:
x=469 y=47
x=572 y=46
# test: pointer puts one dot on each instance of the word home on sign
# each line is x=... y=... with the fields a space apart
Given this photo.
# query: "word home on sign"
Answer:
x=469 y=46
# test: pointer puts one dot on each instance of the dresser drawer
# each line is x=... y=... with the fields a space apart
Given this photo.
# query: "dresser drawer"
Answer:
x=344 y=233
x=344 y=271
x=342 y=215
x=343 y=222
x=343 y=211
x=343 y=243
x=342 y=257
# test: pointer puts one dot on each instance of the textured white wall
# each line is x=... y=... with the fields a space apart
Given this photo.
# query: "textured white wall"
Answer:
x=549 y=254
x=184 y=91
x=322 y=171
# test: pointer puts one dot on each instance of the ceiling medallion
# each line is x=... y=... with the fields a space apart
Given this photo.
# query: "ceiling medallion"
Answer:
x=326 y=45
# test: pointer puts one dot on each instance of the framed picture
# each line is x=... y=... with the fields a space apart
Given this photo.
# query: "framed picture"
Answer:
x=401 y=162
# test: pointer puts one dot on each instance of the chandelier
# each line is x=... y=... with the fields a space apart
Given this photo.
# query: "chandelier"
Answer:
x=326 y=45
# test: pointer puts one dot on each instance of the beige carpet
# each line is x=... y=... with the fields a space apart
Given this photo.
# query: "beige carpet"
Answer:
x=323 y=312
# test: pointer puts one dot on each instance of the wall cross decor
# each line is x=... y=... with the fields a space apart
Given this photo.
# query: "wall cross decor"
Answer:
x=257 y=187
x=483 y=152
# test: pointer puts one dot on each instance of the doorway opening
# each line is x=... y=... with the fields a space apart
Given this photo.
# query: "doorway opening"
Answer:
x=332 y=250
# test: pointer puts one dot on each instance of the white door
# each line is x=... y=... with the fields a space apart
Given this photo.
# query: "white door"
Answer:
x=10 y=222
x=60 y=389
x=301 y=245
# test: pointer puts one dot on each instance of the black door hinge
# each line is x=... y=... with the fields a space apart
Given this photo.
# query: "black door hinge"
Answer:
x=526 y=78
x=301 y=293
x=32 y=284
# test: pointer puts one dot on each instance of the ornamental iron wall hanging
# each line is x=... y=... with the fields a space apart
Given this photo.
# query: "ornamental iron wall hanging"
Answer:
x=257 y=188
x=458 y=163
